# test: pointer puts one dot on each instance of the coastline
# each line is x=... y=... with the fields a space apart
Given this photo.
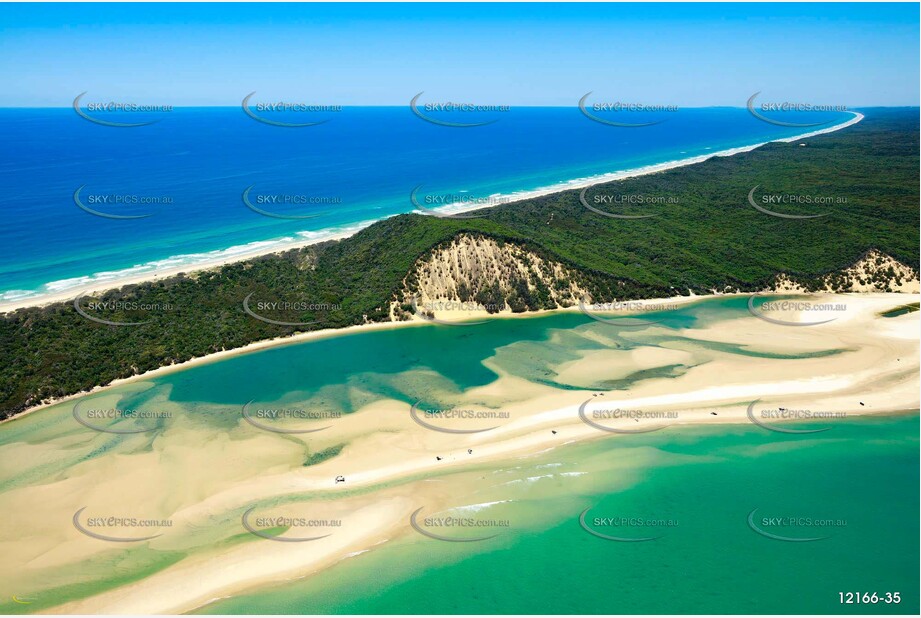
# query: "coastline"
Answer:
x=260 y=248
x=877 y=370
x=325 y=333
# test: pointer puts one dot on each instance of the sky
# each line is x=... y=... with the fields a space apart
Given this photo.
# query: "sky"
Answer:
x=691 y=55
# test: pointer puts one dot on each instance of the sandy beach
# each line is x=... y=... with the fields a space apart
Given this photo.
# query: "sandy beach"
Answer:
x=446 y=315
x=460 y=310
x=388 y=457
x=95 y=284
x=218 y=356
x=442 y=315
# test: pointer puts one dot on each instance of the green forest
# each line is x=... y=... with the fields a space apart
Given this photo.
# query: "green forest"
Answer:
x=705 y=235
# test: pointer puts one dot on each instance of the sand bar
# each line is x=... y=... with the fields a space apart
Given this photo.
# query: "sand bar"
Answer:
x=875 y=372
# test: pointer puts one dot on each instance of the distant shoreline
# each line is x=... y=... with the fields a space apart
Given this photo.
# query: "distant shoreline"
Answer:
x=261 y=248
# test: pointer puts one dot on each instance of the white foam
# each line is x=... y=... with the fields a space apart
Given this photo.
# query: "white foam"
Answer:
x=186 y=261
x=352 y=554
x=474 y=508
x=498 y=199
x=194 y=261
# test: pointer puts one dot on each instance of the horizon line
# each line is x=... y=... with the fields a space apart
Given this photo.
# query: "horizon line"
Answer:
x=511 y=105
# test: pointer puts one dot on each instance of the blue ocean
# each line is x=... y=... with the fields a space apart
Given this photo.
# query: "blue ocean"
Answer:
x=88 y=203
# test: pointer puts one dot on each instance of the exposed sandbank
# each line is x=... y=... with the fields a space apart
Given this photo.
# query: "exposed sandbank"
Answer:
x=875 y=372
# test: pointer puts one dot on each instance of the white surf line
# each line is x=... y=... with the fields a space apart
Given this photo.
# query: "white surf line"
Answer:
x=67 y=289
x=588 y=181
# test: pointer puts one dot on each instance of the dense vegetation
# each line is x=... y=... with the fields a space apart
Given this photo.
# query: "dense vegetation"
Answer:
x=707 y=237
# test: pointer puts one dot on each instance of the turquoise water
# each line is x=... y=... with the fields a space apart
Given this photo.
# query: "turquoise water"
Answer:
x=343 y=373
x=451 y=357
x=707 y=480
